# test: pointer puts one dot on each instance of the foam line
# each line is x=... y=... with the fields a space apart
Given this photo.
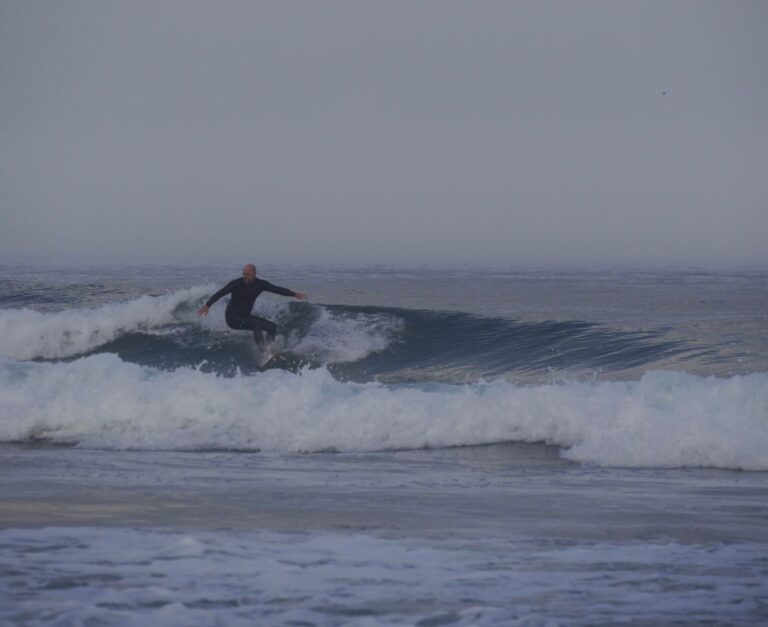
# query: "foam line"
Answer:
x=665 y=419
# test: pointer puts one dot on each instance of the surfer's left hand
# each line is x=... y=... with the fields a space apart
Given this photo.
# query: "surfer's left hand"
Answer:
x=301 y=296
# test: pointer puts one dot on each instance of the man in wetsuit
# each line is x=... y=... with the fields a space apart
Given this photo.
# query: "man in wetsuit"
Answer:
x=244 y=292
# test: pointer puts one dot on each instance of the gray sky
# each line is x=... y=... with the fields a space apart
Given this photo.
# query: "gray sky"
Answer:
x=389 y=130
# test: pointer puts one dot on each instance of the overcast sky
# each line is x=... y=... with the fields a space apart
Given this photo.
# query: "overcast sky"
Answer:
x=388 y=130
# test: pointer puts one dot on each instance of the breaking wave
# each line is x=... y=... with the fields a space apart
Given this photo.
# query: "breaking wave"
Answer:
x=357 y=343
x=665 y=419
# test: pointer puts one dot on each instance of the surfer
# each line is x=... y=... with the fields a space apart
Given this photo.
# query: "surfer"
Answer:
x=244 y=292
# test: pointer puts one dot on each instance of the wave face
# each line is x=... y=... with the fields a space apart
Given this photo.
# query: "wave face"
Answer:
x=663 y=420
x=458 y=347
x=356 y=343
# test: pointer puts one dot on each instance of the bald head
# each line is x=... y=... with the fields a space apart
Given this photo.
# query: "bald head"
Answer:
x=249 y=272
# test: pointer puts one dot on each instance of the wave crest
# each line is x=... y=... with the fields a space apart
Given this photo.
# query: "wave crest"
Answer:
x=28 y=334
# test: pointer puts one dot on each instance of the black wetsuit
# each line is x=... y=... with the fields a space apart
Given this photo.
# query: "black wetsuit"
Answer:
x=238 y=314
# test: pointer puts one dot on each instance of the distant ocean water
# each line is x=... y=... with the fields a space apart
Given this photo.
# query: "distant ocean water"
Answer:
x=644 y=368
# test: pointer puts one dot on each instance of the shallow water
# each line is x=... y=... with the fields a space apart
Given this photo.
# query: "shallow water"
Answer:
x=481 y=535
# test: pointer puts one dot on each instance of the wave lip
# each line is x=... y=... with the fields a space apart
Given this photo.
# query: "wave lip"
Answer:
x=666 y=419
x=27 y=334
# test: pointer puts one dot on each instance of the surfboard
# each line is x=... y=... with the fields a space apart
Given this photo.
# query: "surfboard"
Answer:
x=284 y=360
x=275 y=355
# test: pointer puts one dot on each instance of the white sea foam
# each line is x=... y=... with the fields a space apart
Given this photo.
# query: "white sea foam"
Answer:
x=148 y=577
x=29 y=334
x=333 y=337
x=336 y=337
x=665 y=419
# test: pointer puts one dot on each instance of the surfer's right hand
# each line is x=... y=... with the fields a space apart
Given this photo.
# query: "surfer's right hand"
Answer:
x=203 y=311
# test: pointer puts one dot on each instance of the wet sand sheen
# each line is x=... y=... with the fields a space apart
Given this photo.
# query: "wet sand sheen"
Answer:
x=514 y=490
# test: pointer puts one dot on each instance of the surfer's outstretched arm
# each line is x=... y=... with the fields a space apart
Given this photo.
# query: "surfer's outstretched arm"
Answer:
x=282 y=291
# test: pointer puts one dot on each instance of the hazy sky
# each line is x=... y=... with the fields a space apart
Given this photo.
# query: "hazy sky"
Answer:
x=390 y=130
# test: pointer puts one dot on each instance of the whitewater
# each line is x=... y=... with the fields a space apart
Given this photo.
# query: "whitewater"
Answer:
x=662 y=420
x=580 y=423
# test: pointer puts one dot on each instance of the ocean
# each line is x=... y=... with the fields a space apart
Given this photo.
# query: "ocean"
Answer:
x=459 y=445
